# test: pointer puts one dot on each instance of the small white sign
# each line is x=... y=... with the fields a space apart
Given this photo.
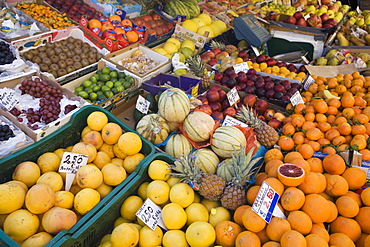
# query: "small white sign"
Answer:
x=306 y=17
x=300 y=7
x=358 y=10
x=233 y=96
x=308 y=82
x=230 y=121
x=142 y=105
x=265 y=203
x=256 y=51
x=8 y=98
x=305 y=59
x=296 y=99
x=70 y=164
x=151 y=214
x=241 y=67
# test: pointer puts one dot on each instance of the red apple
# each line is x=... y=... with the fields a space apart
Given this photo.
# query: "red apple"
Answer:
x=298 y=15
x=156 y=17
x=262 y=118
x=279 y=116
x=216 y=106
x=215 y=88
x=204 y=108
x=213 y=62
x=225 y=104
x=169 y=25
x=159 y=22
x=139 y=21
x=261 y=106
x=217 y=115
x=250 y=100
x=213 y=96
x=152 y=23
x=218 y=76
x=158 y=31
x=223 y=95
x=216 y=51
x=274 y=123
x=291 y=20
x=243 y=53
x=301 y=22
x=229 y=111
x=147 y=18
x=324 y=17
x=269 y=114
x=205 y=58
x=203 y=98
x=211 y=54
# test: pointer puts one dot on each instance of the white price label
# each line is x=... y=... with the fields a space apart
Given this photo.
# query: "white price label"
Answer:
x=300 y=8
x=265 y=202
x=256 y=51
x=230 y=121
x=8 y=98
x=358 y=10
x=241 y=67
x=296 y=99
x=142 y=105
x=305 y=59
x=308 y=82
x=150 y=214
x=233 y=96
x=306 y=17
x=71 y=162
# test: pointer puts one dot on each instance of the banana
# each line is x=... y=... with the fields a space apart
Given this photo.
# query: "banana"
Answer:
x=328 y=95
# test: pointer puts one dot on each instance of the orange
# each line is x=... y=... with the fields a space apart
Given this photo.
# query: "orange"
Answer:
x=320 y=106
x=340 y=120
x=239 y=213
x=298 y=121
x=321 y=231
x=315 y=145
x=313 y=183
x=262 y=236
x=334 y=164
x=289 y=157
x=276 y=185
x=303 y=164
x=306 y=151
x=317 y=208
x=314 y=134
x=340 y=240
x=291 y=174
x=276 y=228
x=362 y=219
x=314 y=240
x=358 y=129
x=359 y=143
x=356 y=197
x=315 y=165
x=332 y=110
x=336 y=185
x=132 y=36
x=293 y=238
x=320 y=117
x=300 y=222
x=344 y=128
x=361 y=242
x=338 y=140
x=365 y=154
x=347 y=207
x=334 y=102
x=115 y=18
x=308 y=125
x=260 y=177
x=94 y=23
x=286 y=143
x=298 y=138
x=331 y=134
x=365 y=196
x=324 y=126
x=298 y=109
x=347 y=226
x=273 y=154
x=288 y=129
x=252 y=221
x=272 y=163
x=347 y=100
x=309 y=116
x=247 y=238
x=323 y=141
x=106 y=26
x=226 y=233
x=126 y=22
x=334 y=212
x=119 y=30
x=292 y=199
x=252 y=194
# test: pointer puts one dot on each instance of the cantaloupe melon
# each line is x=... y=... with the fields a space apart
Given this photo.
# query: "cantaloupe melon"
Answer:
x=225 y=139
x=177 y=145
x=198 y=126
x=174 y=105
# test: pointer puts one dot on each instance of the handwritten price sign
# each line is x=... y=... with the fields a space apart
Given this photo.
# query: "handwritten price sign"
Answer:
x=265 y=202
x=233 y=96
x=8 y=98
x=150 y=214
x=71 y=162
x=142 y=104
x=296 y=99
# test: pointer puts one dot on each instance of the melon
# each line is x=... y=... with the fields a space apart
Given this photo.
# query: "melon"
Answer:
x=198 y=126
x=224 y=170
x=177 y=146
x=206 y=160
x=174 y=105
x=153 y=127
x=225 y=139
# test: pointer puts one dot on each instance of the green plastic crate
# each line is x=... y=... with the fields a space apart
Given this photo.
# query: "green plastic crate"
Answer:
x=66 y=136
x=102 y=223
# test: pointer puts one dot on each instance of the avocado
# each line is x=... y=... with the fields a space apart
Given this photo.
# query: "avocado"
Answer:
x=153 y=103
x=138 y=115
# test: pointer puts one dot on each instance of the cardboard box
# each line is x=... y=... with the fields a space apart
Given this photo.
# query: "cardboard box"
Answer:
x=71 y=86
x=163 y=66
x=331 y=71
x=51 y=127
x=131 y=8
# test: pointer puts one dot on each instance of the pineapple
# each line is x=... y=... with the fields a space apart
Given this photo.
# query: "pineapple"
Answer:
x=210 y=186
x=197 y=66
x=219 y=45
x=266 y=135
x=242 y=168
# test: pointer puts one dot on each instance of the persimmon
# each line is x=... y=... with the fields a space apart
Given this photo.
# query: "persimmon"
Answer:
x=338 y=140
x=360 y=101
x=315 y=145
x=314 y=134
x=308 y=125
x=360 y=143
x=323 y=141
x=339 y=120
x=297 y=121
x=298 y=109
x=331 y=119
x=340 y=89
x=366 y=111
x=355 y=89
x=329 y=150
x=331 y=134
x=309 y=116
x=348 y=113
x=320 y=117
x=344 y=147
x=298 y=138
x=347 y=100
x=334 y=102
x=365 y=154
x=358 y=129
x=320 y=106
x=324 y=126
x=310 y=108
x=348 y=138
x=360 y=118
x=345 y=128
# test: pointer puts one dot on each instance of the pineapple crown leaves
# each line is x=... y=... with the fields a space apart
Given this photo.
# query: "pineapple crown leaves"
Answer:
x=217 y=44
x=242 y=167
x=186 y=170
x=196 y=65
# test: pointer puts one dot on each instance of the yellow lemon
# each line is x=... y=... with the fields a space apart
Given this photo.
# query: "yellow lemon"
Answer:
x=12 y=197
x=159 y=170
x=190 y=25
x=196 y=212
x=21 y=224
x=104 y=190
x=85 y=200
x=209 y=204
x=182 y=194
x=175 y=41
x=96 y=120
x=216 y=29
x=221 y=25
x=170 y=47
x=119 y=221
x=125 y=235
x=172 y=181
x=158 y=191
x=217 y=215
x=27 y=172
x=188 y=43
x=206 y=18
x=203 y=30
x=130 y=143
x=48 y=162
x=197 y=198
x=174 y=216
x=200 y=234
x=64 y=199
x=130 y=206
x=148 y=237
x=174 y=236
x=113 y=175
x=142 y=190
x=132 y=161
x=160 y=51
x=199 y=22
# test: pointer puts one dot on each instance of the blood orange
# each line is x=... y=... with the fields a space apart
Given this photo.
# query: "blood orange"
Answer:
x=290 y=174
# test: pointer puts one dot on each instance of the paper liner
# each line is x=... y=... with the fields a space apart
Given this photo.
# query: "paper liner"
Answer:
x=250 y=137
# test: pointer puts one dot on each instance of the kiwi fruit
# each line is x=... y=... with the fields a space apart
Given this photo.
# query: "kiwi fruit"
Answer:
x=84 y=55
x=92 y=54
x=69 y=61
x=85 y=62
x=62 y=64
x=35 y=52
x=78 y=50
x=98 y=56
x=42 y=48
x=77 y=65
x=49 y=45
x=92 y=60
x=64 y=41
x=61 y=72
x=50 y=52
x=93 y=49
x=47 y=61
x=58 y=44
x=54 y=67
x=70 y=69
x=71 y=46
x=44 y=67
x=84 y=44
x=85 y=49
x=28 y=55
x=54 y=73
x=62 y=56
x=36 y=59
x=71 y=40
x=42 y=54
x=64 y=49
x=58 y=50
x=70 y=54
x=78 y=43
x=54 y=59
x=76 y=58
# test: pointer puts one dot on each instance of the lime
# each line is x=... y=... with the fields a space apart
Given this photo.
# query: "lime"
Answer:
x=109 y=84
x=108 y=94
x=83 y=94
x=79 y=89
x=113 y=79
x=113 y=74
x=114 y=90
x=127 y=84
x=87 y=83
x=121 y=74
x=96 y=88
x=88 y=90
x=120 y=88
x=98 y=72
x=104 y=78
x=118 y=83
x=105 y=88
x=101 y=97
x=100 y=83
x=94 y=79
x=105 y=71
x=130 y=79
x=122 y=80
x=93 y=96
x=99 y=92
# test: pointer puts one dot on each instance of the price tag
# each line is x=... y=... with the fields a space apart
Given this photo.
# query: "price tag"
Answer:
x=70 y=164
x=308 y=82
x=233 y=96
x=300 y=8
x=265 y=203
x=296 y=99
x=8 y=98
x=195 y=90
x=230 y=121
x=306 y=17
x=305 y=59
x=241 y=67
x=142 y=105
x=256 y=51
x=151 y=214
x=358 y=10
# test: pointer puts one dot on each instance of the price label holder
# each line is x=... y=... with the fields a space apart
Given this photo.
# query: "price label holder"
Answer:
x=70 y=164
x=233 y=96
x=151 y=215
x=296 y=99
x=265 y=203
x=230 y=121
x=241 y=67
x=308 y=82
x=8 y=98
x=142 y=104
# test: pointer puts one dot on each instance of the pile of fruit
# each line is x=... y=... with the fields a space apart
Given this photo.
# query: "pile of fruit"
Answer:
x=187 y=8
x=154 y=24
x=6 y=55
x=203 y=24
x=336 y=57
x=185 y=49
x=35 y=206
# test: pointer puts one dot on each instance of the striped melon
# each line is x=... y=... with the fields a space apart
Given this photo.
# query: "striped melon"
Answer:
x=225 y=139
x=206 y=160
x=224 y=170
x=177 y=146
x=198 y=126
x=153 y=127
x=173 y=126
x=174 y=105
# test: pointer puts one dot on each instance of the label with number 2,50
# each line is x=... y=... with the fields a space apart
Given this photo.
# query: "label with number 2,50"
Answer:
x=265 y=202
x=71 y=162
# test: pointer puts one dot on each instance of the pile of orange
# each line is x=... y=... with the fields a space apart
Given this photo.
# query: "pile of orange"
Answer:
x=324 y=200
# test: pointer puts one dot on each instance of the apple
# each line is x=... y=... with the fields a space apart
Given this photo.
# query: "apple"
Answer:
x=147 y=18
x=269 y=93
x=242 y=86
x=243 y=53
x=251 y=72
x=164 y=29
x=298 y=15
x=324 y=17
x=261 y=58
x=224 y=80
x=242 y=77
x=250 y=100
x=274 y=123
x=216 y=51
x=269 y=114
x=216 y=106
x=332 y=22
x=139 y=21
x=250 y=89
x=215 y=88
x=213 y=96
x=279 y=116
x=169 y=25
x=159 y=22
x=158 y=31
x=213 y=62
x=291 y=20
x=204 y=108
x=225 y=104
x=152 y=23
x=301 y=22
x=229 y=111
x=261 y=105
x=229 y=71
x=218 y=76
x=262 y=118
x=223 y=95
x=271 y=62
x=156 y=17
x=205 y=58
x=210 y=54
x=203 y=99
x=217 y=115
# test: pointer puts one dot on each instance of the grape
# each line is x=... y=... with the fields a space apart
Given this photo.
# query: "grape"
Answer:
x=5 y=132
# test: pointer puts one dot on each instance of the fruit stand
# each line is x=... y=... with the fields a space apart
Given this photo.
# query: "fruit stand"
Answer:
x=184 y=123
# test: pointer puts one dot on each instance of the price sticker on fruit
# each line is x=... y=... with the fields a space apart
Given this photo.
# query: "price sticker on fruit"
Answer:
x=142 y=105
x=70 y=164
x=8 y=98
x=241 y=67
x=265 y=203
x=233 y=96
x=151 y=215
x=296 y=99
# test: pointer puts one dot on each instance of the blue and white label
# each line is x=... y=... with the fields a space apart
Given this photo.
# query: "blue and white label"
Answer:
x=230 y=121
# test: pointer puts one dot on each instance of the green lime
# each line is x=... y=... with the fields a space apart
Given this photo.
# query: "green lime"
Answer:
x=104 y=78
x=108 y=94
x=100 y=83
x=98 y=72
x=94 y=79
x=96 y=88
x=109 y=84
x=127 y=84
x=118 y=83
x=114 y=90
x=105 y=71
x=121 y=74
x=120 y=88
x=122 y=80
x=78 y=89
x=93 y=96
x=101 y=97
x=105 y=88
x=130 y=79
x=83 y=94
x=88 y=90
x=87 y=83
x=99 y=92
x=113 y=74
x=113 y=79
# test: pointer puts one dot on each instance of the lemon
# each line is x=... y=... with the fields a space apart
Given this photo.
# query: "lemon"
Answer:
x=221 y=25
x=172 y=181
x=175 y=41
x=117 y=161
x=20 y=225
x=206 y=18
x=209 y=204
x=160 y=51
x=182 y=194
x=174 y=216
x=53 y=179
x=48 y=162
x=104 y=190
x=119 y=221
x=217 y=215
x=132 y=161
x=200 y=234
x=96 y=120
x=141 y=191
x=196 y=212
x=202 y=31
x=148 y=237
x=125 y=235
x=130 y=206
x=85 y=200
x=174 y=236
x=64 y=199
x=188 y=43
x=170 y=47
x=190 y=25
x=158 y=191
x=159 y=170
x=216 y=29
x=130 y=143
x=199 y=22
